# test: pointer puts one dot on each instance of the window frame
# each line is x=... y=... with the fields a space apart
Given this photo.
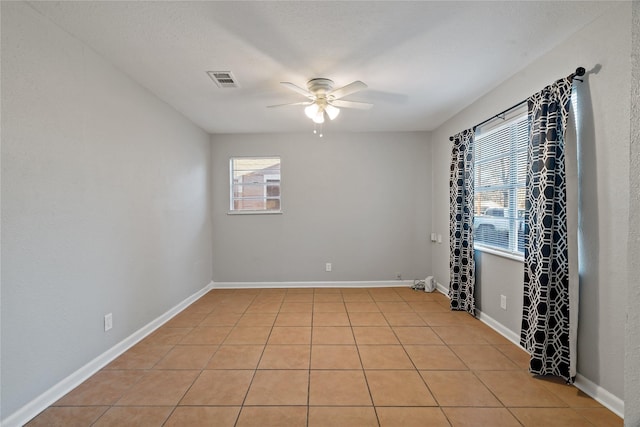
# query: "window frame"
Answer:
x=264 y=184
x=504 y=121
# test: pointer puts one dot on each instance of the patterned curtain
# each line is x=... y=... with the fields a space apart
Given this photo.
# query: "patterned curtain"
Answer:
x=545 y=322
x=461 y=263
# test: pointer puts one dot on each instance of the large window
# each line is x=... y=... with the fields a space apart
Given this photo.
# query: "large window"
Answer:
x=255 y=184
x=500 y=180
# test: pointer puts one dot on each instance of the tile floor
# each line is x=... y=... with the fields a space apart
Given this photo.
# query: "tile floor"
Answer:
x=323 y=357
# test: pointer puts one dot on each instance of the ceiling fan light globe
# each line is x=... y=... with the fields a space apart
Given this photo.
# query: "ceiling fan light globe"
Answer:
x=332 y=111
x=319 y=118
x=312 y=110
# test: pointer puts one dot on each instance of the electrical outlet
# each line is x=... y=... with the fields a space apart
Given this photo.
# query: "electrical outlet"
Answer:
x=327 y=267
x=434 y=237
x=108 y=321
x=439 y=238
x=503 y=302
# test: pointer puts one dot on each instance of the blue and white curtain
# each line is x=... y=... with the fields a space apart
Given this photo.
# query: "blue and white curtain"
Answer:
x=461 y=262
x=547 y=332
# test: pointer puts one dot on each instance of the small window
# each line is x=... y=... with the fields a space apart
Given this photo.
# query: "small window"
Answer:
x=500 y=181
x=255 y=185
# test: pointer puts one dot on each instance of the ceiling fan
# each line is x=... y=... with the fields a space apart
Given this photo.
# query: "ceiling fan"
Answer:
x=324 y=101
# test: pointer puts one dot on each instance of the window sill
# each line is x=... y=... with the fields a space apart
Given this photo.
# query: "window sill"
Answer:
x=503 y=254
x=254 y=212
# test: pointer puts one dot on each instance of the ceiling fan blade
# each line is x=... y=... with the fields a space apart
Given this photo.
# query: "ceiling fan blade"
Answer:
x=292 y=103
x=351 y=104
x=298 y=89
x=347 y=90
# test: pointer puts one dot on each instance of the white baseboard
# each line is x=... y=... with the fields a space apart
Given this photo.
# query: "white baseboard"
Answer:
x=614 y=403
x=42 y=402
x=442 y=289
x=499 y=328
x=327 y=284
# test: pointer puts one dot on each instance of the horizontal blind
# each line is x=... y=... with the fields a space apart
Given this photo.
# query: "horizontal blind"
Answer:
x=500 y=178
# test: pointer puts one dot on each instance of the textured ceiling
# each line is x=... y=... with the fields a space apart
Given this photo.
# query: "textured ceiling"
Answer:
x=423 y=61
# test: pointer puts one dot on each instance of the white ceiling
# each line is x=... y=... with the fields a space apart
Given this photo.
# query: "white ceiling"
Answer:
x=423 y=61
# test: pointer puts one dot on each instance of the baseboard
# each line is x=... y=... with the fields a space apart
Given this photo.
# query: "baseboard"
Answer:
x=40 y=403
x=442 y=289
x=499 y=328
x=327 y=284
x=614 y=403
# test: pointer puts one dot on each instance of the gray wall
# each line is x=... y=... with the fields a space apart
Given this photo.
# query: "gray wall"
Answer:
x=106 y=206
x=632 y=349
x=361 y=201
x=604 y=46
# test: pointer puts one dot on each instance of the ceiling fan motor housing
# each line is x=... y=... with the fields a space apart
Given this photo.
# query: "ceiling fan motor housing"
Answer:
x=320 y=86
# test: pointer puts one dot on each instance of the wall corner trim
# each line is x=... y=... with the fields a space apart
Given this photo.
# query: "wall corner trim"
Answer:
x=40 y=403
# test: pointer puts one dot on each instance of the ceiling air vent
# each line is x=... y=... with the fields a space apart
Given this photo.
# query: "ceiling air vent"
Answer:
x=223 y=78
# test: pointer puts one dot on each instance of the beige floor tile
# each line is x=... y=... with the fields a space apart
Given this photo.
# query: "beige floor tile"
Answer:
x=357 y=297
x=166 y=336
x=290 y=335
x=394 y=307
x=329 y=307
x=362 y=307
x=517 y=355
x=550 y=417
x=138 y=416
x=293 y=319
x=187 y=357
x=186 y=320
x=264 y=307
x=367 y=319
x=335 y=297
x=459 y=388
x=384 y=357
x=296 y=307
x=398 y=388
x=448 y=318
x=335 y=357
x=298 y=297
x=601 y=417
x=206 y=335
x=570 y=394
x=70 y=416
x=375 y=335
x=103 y=388
x=236 y=357
x=416 y=335
x=427 y=306
x=248 y=335
x=332 y=335
x=338 y=388
x=221 y=319
x=342 y=416
x=273 y=416
x=279 y=388
x=219 y=387
x=257 y=319
x=384 y=295
x=159 y=388
x=203 y=416
x=474 y=417
x=140 y=356
x=483 y=357
x=434 y=357
x=453 y=335
x=404 y=319
x=411 y=417
x=330 y=319
x=285 y=357
x=518 y=389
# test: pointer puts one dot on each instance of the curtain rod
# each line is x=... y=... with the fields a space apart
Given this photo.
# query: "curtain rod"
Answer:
x=580 y=71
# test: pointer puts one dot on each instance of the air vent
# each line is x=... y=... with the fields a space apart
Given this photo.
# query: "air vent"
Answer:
x=223 y=78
